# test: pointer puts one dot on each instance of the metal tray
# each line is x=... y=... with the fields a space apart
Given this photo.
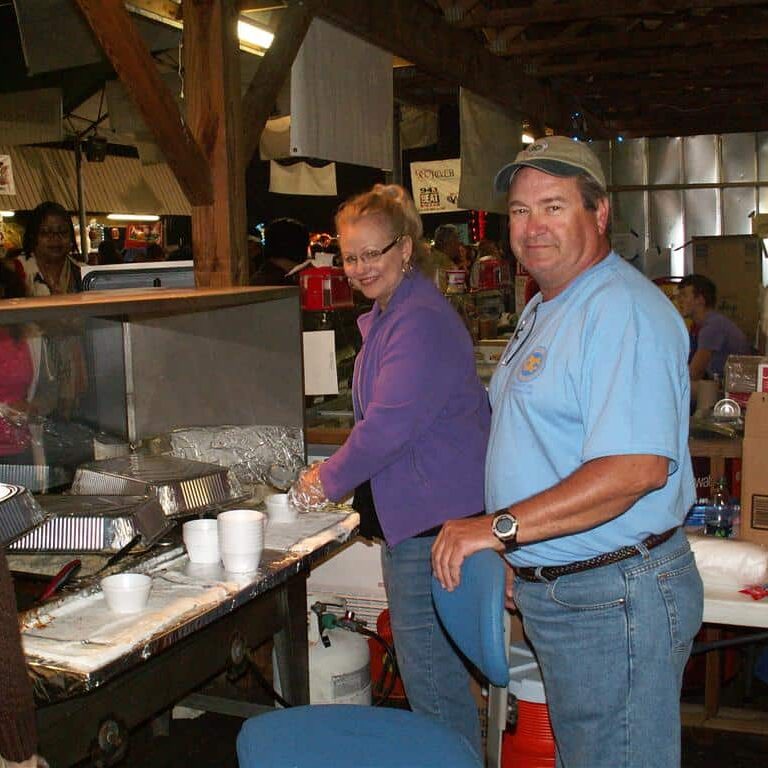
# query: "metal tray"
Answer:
x=19 y=513
x=181 y=486
x=37 y=478
x=101 y=524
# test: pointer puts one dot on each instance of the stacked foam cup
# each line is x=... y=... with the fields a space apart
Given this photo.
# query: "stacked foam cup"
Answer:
x=241 y=539
x=279 y=509
x=201 y=538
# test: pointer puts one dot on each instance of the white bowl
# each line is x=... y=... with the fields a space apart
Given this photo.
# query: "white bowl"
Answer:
x=280 y=510
x=126 y=592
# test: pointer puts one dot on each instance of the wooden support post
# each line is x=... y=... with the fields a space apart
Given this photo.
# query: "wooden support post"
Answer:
x=274 y=68
x=212 y=94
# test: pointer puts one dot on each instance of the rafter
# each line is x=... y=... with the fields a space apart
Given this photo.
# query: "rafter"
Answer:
x=734 y=55
x=420 y=35
x=757 y=30
x=589 y=9
x=118 y=37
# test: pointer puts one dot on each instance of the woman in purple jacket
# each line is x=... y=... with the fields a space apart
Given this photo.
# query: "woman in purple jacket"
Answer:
x=415 y=455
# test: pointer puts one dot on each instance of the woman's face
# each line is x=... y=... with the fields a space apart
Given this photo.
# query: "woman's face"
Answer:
x=374 y=257
x=54 y=240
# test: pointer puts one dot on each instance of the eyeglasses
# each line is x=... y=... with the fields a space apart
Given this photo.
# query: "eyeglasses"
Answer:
x=371 y=255
x=62 y=233
x=528 y=322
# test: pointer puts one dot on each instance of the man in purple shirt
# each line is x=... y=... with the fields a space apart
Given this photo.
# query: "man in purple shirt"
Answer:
x=717 y=336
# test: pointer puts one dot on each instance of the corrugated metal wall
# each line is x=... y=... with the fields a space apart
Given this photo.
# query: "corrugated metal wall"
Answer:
x=669 y=190
x=118 y=185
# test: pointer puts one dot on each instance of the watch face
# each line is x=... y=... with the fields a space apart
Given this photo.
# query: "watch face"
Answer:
x=504 y=525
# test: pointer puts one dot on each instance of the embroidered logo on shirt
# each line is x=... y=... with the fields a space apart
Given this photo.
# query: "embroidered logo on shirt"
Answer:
x=533 y=365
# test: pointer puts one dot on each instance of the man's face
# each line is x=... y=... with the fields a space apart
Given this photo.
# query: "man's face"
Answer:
x=551 y=232
x=686 y=300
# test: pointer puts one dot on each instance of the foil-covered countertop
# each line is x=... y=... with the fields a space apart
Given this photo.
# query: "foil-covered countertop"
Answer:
x=75 y=644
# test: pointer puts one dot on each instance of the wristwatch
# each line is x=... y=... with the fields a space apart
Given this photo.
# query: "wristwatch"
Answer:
x=504 y=528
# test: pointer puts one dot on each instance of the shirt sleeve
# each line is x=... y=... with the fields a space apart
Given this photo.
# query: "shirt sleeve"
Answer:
x=631 y=386
x=712 y=337
x=418 y=370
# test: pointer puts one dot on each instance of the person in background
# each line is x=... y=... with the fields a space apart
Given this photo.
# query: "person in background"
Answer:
x=47 y=264
x=286 y=245
x=108 y=253
x=716 y=335
x=447 y=241
x=415 y=455
x=588 y=475
x=18 y=375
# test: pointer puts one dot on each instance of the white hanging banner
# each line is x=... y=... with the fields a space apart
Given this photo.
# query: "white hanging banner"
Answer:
x=302 y=179
x=435 y=185
x=7 y=187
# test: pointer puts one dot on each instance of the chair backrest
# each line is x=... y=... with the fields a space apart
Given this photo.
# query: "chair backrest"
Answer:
x=473 y=614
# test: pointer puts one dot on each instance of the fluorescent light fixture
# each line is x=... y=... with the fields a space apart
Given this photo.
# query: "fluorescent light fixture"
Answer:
x=253 y=35
x=133 y=217
x=527 y=138
x=7 y=214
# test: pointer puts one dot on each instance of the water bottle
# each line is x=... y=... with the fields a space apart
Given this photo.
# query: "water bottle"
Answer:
x=718 y=520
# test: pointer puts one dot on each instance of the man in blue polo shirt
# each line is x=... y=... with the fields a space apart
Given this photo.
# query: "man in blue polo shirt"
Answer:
x=588 y=474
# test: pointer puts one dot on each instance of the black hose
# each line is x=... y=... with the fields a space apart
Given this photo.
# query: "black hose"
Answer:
x=266 y=685
x=389 y=665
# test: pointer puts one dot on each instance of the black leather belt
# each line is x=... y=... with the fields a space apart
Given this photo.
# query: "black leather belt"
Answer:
x=551 y=572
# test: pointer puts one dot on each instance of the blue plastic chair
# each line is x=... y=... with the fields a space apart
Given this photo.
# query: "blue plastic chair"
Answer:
x=347 y=736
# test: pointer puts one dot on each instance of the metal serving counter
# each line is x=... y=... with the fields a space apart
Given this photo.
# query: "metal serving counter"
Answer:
x=93 y=670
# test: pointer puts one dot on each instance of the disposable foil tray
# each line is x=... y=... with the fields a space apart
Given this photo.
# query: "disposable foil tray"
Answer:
x=36 y=478
x=94 y=524
x=19 y=513
x=181 y=486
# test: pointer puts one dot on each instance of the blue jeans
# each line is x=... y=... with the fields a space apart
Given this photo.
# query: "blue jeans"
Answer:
x=434 y=676
x=612 y=643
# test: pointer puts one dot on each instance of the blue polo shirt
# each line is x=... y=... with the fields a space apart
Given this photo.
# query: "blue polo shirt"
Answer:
x=600 y=370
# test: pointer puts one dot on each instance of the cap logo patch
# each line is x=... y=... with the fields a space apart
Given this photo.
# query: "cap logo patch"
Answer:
x=539 y=146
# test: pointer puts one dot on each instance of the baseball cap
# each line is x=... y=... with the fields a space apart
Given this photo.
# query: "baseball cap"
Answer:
x=556 y=155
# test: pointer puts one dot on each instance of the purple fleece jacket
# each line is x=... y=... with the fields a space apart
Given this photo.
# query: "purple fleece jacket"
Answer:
x=421 y=415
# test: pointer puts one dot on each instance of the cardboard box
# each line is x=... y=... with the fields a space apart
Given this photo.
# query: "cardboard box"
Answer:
x=734 y=264
x=754 y=471
x=760 y=224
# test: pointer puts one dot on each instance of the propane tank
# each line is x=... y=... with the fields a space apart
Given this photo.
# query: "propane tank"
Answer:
x=339 y=659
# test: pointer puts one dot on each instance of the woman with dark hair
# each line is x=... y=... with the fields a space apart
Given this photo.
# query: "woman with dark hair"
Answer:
x=47 y=263
x=18 y=365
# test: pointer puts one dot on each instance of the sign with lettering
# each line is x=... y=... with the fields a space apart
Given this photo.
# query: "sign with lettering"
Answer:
x=435 y=185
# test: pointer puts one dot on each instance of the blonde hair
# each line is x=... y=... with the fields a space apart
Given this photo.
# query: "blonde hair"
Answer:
x=395 y=206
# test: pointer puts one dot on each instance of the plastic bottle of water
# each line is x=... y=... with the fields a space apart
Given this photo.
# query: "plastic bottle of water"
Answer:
x=718 y=520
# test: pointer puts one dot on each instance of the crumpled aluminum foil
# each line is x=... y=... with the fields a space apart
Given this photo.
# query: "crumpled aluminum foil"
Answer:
x=249 y=451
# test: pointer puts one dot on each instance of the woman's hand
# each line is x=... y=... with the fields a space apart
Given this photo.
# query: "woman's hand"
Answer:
x=307 y=493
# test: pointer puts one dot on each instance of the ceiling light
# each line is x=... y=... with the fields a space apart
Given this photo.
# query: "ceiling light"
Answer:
x=133 y=217
x=7 y=214
x=253 y=35
x=527 y=138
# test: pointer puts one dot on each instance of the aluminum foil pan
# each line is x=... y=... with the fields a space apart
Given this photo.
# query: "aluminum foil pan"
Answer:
x=19 y=513
x=101 y=524
x=181 y=486
x=36 y=478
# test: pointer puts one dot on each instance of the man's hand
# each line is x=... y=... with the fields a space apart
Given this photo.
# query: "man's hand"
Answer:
x=458 y=540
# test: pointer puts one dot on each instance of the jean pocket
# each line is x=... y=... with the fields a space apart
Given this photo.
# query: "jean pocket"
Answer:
x=683 y=595
x=595 y=590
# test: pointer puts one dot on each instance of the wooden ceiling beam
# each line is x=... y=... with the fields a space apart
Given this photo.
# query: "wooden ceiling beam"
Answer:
x=635 y=40
x=118 y=37
x=272 y=72
x=419 y=34
x=589 y=10
x=728 y=56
